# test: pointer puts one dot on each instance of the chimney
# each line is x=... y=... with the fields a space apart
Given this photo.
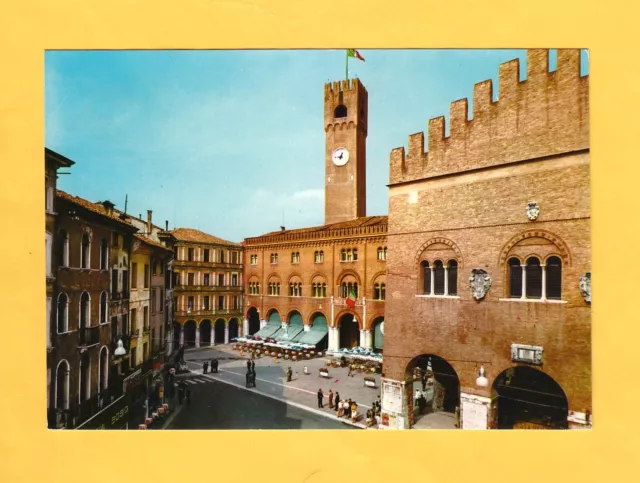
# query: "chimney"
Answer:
x=166 y=225
x=282 y=228
x=108 y=206
x=149 y=222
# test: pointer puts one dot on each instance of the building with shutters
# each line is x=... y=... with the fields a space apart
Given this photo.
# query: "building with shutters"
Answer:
x=207 y=288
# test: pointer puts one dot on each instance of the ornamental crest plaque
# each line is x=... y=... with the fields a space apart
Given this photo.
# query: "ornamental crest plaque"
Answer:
x=533 y=210
x=585 y=286
x=480 y=283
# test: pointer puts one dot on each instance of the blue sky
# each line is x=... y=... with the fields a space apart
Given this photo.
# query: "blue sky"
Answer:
x=228 y=141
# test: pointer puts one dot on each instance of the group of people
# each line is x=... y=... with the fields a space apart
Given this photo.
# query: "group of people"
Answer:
x=251 y=373
x=373 y=414
x=344 y=408
x=214 y=366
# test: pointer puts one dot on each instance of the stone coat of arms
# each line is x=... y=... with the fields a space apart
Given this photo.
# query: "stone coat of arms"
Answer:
x=480 y=283
x=533 y=210
x=585 y=286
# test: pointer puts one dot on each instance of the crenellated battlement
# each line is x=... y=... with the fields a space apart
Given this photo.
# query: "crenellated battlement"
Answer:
x=343 y=86
x=546 y=114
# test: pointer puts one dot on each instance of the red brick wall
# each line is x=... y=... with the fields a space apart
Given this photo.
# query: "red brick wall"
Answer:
x=367 y=270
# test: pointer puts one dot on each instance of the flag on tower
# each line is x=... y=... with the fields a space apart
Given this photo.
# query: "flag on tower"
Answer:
x=351 y=299
x=355 y=54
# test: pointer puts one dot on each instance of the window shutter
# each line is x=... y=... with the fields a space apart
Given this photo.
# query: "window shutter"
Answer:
x=554 y=278
x=534 y=279
x=515 y=278
x=453 y=278
x=439 y=279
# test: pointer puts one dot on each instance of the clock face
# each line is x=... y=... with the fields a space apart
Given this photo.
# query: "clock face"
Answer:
x=340 y=156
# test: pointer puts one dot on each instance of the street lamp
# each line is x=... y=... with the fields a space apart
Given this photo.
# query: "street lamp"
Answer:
x=120 y=350
x=482 y=381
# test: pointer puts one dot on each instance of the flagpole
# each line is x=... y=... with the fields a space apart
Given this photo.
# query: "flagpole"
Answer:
x=347 y=65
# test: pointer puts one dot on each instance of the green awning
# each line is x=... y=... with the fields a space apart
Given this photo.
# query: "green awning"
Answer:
x=269 y=329
x=288 y=335
x=315 y=335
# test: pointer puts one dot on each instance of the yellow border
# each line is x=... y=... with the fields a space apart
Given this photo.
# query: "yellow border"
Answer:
x=30 y=453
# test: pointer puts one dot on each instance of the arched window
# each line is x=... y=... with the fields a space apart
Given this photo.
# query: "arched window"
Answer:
x=383 y=290
x=355 y=254
x=62 y=385
x=314 y=289
x=85 y=311
x=438 y=281
x=515 y=278
x=63 y=249
x=385 y=253
x=63 y=313
x=534 y=278
x=554 y=278
x=340 y=111
x=290 y=289
x=103 y=308
x=452 y=276
x=85 y=255
x=426 y=277
x=343 y=255
x=324 y=289
x=376 y=291
x=104 y=254
x=348 y=288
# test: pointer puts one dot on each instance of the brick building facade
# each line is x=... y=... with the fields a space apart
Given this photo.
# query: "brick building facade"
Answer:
x=489 y=255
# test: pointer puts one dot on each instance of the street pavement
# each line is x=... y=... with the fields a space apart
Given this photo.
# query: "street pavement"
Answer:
x=299 y=393
x=217 y=405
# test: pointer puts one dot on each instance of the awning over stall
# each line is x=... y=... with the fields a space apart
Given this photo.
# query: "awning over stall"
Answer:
x=316 y=333
x=271 y=328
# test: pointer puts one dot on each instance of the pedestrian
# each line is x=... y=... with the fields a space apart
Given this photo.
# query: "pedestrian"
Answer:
x=349 y=370
x=248 y=379
x=253 y=366
x=424 y=381
x=320 y=396
x=205 y=366
x=289 y=374
x=337 y=399
x=253 y=379
x=214 y=365
x=330 y=398
x=354 y=412
x=249 y=365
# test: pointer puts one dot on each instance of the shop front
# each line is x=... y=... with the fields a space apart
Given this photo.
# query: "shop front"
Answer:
x=115 y=416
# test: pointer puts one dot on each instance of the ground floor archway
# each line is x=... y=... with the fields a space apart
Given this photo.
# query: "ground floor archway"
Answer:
x=274 y=316
x=349 y=332
x=254 y=320
x=205 y=332
x=435 y=382
x=218 y=331
x=190 y=333
x=377 y=334
x=526 y=398
x=319 y=325
x=233 y=328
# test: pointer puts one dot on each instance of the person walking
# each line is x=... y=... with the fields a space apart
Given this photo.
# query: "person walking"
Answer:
x=289 y=374
x=337 y=399
x=205 y=366
x=320 y=396
x=253 y=379
x=253 y=366
x=248 y=365
x=330 y=399
x=214 y=365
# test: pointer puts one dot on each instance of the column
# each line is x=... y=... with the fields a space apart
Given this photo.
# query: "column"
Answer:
x=446 y=280
x=364 y=311
x=367 y=339
x=331 y=321
x=197 y=336
x=263 y=323
x=363 y=336
x=544 y=282
x=226 y=334
x=245 y=327
x=213 y=336
x=433 y=278
x=524 y=282
x=307 y=327
x=181 y=335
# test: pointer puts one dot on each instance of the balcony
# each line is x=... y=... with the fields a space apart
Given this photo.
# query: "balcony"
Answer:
x=88 y=336
x=146 y=329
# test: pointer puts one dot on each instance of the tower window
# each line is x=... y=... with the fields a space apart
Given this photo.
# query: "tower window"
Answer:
x=341 y=111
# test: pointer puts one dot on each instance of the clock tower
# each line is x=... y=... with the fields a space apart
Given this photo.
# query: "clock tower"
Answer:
x=345 y=125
